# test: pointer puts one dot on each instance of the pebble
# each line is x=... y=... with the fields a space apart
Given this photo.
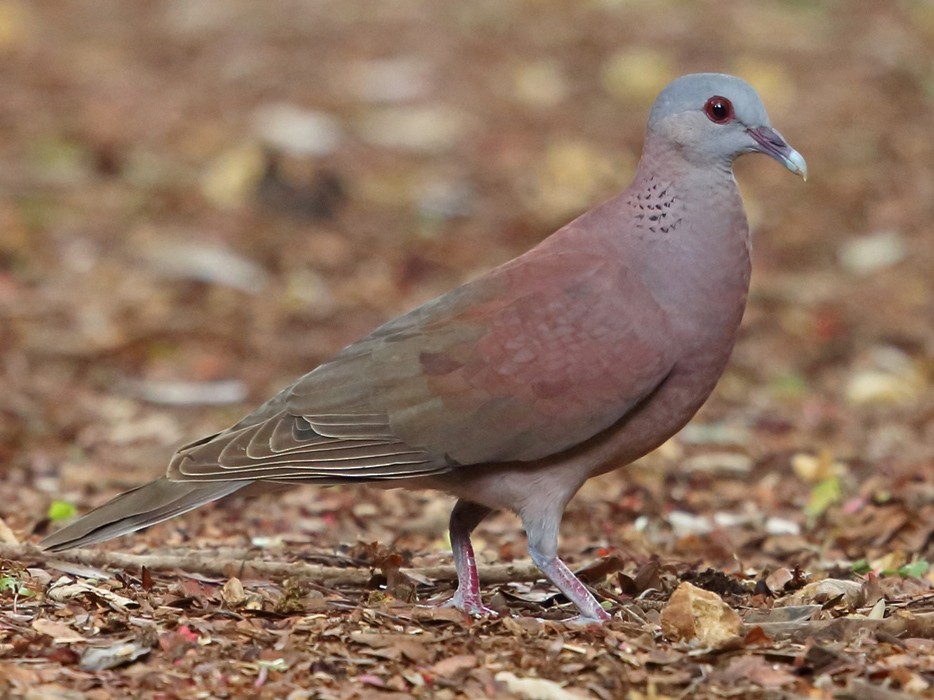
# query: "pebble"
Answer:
x=388 y=80
x=183 y=393
x=206 y=263
x=426 y=129
x=297 y=131
x=780 y=526
x=718 y=462
x=866 y=254
x=684 y=523
x=444 y=199
x=892 y=377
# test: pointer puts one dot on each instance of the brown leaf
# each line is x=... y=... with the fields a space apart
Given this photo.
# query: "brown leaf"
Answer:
x=66 y=589
x=756 y=637
x=453 y=665
x=601 y=568
x=412 y=647
x=832 y=591
x=777 y=579
x=58 y=631
x=438 y=613
x=755 y=669
x=534 y=688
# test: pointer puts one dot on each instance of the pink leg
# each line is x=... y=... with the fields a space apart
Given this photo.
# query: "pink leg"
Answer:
x=464 y=518
x=559 y=574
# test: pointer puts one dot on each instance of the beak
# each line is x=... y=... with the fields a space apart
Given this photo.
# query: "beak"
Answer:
x=772 y=144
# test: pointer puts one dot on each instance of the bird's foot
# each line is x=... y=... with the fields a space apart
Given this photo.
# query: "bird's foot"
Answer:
x=591 y=612
x=586 y=620
x=469 y=604
x=599 y=616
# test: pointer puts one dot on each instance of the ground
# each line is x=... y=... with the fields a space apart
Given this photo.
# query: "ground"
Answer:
x=201 y=200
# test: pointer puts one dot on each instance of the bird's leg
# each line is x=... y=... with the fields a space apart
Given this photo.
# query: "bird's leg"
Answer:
x=543 y=548
x=464 y=518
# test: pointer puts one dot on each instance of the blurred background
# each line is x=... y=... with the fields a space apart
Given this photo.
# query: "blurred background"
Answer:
x=202 y=199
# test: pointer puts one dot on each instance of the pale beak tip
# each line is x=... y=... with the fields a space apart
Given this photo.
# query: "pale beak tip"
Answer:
x=795 y=162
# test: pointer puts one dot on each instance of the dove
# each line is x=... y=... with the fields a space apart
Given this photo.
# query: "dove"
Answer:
x=510 y=391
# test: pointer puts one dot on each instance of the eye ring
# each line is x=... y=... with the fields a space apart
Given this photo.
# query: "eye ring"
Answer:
x=719 y=110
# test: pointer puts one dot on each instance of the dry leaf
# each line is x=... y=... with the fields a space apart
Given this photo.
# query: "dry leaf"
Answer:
x=850 y=593
x=6 y=534
x=58 y=631
x=777 y=579
x=119 y=654
x=453 y=665
x=534 y=688
x=66 y=589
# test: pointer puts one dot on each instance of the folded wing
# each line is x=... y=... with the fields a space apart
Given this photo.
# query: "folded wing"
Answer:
x=519 y=365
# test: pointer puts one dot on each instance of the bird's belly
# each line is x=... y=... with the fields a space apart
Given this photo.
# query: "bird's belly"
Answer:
x=519 y=485
x=661 y=415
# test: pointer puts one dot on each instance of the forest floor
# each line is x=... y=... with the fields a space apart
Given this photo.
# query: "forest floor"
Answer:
x=200 y=201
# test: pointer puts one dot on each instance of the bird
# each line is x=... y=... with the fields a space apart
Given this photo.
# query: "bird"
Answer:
x=510 y=391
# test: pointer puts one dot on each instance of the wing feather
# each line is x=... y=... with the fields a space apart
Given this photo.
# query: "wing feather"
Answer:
x=512 y=367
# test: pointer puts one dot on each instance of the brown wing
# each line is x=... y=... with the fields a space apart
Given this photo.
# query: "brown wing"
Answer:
x=528 y=361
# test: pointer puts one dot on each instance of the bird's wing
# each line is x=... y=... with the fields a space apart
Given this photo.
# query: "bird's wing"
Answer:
x=530 y=360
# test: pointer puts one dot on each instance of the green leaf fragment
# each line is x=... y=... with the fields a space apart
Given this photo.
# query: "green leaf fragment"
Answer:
x=14 y=585
x=916 y=569
x=861 y=566
x=824 y=494
x=61 y=510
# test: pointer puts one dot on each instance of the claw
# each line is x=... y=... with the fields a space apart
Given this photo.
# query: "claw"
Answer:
x=585 y=620
x=470 y=606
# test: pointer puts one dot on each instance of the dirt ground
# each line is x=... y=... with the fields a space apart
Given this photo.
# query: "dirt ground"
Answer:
x=202 y=199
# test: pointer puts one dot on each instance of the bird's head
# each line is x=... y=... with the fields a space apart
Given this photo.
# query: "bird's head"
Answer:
x=710 y=119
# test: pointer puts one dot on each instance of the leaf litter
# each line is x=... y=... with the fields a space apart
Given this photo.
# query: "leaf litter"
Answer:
x=165 y=262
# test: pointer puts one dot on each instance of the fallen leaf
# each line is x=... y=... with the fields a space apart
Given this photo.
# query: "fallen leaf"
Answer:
x=755 y=669
x=412 y=647
x=851 y=593
x=58 y=631
x=66 y=589
x=601 y=568
x=6 y=534
x=436 y=613
x=777 y=579
x=534 y=688
x=453 y=665
x=370 y=679
x=119 y=654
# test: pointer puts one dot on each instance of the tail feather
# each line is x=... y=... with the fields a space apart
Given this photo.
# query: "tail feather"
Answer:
x=138 y=508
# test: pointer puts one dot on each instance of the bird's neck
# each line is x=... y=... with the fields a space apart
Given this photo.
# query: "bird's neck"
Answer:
x=666 y=159
x=689 y=241
x=705 y=195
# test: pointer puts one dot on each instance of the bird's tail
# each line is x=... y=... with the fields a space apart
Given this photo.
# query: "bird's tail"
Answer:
x=143 y=506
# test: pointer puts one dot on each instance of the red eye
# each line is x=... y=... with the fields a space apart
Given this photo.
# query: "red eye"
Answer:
x=719 y=110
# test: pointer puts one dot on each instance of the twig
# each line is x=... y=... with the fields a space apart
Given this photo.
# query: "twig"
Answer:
x=198 y=562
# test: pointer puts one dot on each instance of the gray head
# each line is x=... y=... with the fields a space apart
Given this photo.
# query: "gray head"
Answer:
x=710 y=119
